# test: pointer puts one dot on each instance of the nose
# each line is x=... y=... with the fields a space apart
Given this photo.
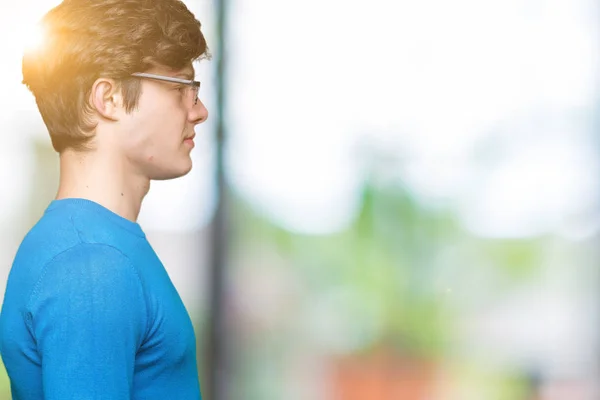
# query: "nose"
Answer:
x=198 y=113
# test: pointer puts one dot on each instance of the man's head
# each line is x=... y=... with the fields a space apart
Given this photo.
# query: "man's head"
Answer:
x=82 y=79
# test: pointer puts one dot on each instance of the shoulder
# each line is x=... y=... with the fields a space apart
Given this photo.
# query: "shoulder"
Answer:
x=85 y=255
x=88 y=269
x=84 y=292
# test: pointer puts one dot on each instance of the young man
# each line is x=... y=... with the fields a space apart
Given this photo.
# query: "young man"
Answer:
x=89 y=311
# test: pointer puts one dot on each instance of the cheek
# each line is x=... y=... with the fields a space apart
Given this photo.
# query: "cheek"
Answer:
x=156 y=129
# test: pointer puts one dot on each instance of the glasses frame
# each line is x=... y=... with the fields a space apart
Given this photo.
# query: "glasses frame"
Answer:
x=193 y=84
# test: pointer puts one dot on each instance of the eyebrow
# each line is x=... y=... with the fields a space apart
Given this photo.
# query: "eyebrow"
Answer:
x=189 y=75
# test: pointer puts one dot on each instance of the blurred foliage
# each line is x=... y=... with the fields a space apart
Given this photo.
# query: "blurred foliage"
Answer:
x=389 y=260
x=4 y=384
x=394 y=281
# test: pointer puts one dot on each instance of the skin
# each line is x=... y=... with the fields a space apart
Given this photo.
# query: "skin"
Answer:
x=130 y=150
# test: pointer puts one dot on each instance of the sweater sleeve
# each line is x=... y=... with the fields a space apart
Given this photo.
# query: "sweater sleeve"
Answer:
x=88 y=317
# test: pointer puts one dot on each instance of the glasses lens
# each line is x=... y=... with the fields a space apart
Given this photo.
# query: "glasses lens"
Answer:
x=195 y=90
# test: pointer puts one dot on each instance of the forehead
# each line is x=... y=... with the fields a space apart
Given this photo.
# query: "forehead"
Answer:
x=186 y=72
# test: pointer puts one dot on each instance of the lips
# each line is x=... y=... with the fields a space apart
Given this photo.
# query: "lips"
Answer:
x=189 y=140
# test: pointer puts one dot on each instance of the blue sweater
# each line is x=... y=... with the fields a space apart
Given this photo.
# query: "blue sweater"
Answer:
x=89 y=312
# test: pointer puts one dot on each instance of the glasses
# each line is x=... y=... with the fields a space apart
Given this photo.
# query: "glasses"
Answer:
x=193 y=86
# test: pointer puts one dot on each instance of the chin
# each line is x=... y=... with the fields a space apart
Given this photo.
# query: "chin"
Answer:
x=171 y=173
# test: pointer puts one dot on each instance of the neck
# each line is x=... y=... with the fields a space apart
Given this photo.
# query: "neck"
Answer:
x=103 y=178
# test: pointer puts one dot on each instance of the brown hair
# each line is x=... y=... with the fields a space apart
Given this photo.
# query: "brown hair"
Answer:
x=84 y=40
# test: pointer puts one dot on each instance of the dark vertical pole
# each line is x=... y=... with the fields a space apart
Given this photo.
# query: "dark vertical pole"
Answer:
x=216 y=368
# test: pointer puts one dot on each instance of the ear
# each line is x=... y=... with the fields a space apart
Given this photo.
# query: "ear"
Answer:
x=106 y=98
